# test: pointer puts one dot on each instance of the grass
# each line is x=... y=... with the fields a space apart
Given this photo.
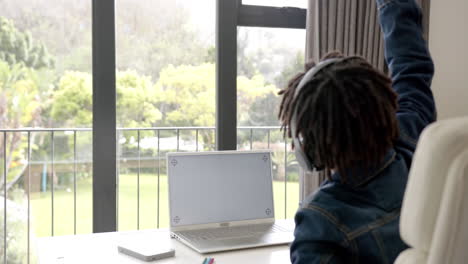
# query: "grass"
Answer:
x=41 y=213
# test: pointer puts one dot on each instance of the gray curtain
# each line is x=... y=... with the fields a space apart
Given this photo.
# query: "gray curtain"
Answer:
x=352 y=27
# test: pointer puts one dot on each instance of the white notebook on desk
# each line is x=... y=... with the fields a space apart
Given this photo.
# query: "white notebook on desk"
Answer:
x=223 y=201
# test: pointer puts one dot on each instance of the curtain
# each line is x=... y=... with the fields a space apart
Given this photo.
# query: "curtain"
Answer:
x=352 y=27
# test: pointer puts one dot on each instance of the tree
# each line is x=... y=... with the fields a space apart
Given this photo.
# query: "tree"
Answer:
x=64 y=27
x=256 y=101
x=136 y=102
x=150 y=34
x=186 y=95
x=265 y=51
x=19 y=47
x=263 y=111
x=24 y=85
x=182 y=96
x=22 y=100
x=245 y=61
x=72 y=101
x=295 y=66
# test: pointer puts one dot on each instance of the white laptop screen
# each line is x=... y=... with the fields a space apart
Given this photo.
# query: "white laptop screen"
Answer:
x=219 y=187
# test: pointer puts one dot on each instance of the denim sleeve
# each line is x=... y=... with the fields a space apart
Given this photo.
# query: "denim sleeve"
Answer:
x=410 y=64
x=316 y=239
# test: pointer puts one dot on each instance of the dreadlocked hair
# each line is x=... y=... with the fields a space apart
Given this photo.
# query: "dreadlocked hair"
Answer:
x=346 y=115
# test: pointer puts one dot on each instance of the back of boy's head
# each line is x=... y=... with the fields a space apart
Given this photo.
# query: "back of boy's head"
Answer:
x=345 y=115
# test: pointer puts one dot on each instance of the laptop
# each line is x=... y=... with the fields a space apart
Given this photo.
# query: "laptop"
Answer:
x=223 y=200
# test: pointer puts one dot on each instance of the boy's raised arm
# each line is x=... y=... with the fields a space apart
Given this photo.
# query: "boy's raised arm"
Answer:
x=410 y=63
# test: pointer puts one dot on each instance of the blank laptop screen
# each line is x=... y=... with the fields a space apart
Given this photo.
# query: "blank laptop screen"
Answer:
x=219 y=187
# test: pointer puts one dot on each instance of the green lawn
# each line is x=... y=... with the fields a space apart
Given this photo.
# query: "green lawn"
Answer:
x=127 y=217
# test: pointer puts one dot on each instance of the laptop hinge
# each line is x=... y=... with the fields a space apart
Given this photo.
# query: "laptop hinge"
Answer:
x=223 y=224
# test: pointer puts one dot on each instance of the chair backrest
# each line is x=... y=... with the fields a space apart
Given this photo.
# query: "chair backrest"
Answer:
x=434 y=217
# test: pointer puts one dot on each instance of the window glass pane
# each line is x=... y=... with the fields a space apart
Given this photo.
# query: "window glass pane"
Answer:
x=165 y=79
x=267 y=59
x=278 y=3
x=45 y=81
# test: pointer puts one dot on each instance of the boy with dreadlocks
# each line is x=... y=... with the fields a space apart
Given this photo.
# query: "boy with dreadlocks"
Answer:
x=348 y=118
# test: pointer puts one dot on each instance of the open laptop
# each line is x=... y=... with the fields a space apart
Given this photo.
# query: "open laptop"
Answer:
x=224 y=200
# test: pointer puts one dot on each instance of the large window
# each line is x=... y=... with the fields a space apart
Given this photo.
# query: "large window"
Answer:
x=165 y=101
x=45 y=87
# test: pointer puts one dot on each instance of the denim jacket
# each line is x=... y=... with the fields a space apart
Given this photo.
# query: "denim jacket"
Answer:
x=358 y=221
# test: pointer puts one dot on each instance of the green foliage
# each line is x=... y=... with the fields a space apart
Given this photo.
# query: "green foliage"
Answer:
x=210 y=56
x=150 y=34
x=183 y=96
x=63 y=27
x=72 y=101
x=266 y=52
x=295 y=66
x=136 y=103
x=245 y=61
x=186 y=95
x=263 y=111
x=256 y=101
x=19 y=47
x=21 y=92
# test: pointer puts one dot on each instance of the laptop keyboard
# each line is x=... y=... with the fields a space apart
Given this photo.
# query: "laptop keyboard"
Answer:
x=231 y=232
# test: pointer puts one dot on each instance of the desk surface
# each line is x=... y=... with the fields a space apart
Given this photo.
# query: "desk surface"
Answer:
x=102 y=248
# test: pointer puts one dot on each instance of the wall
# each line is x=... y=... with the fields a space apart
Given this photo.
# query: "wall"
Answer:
x=448 y=41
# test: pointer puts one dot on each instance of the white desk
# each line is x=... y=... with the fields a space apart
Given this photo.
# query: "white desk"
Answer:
x=102 y=248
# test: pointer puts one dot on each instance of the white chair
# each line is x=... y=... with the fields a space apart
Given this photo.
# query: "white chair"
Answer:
x=434 y=217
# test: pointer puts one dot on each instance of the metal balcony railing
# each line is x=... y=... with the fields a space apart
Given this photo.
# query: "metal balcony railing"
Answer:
x=246 y=140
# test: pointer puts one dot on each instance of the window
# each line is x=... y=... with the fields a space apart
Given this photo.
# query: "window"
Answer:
x=266 y=59
x=165 y=87
x=165 y=83
x=45 y=82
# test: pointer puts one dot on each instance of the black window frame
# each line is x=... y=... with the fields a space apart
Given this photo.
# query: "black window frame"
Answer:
x=229 y=15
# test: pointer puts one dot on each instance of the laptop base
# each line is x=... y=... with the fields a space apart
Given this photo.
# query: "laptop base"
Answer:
x=206 y=244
